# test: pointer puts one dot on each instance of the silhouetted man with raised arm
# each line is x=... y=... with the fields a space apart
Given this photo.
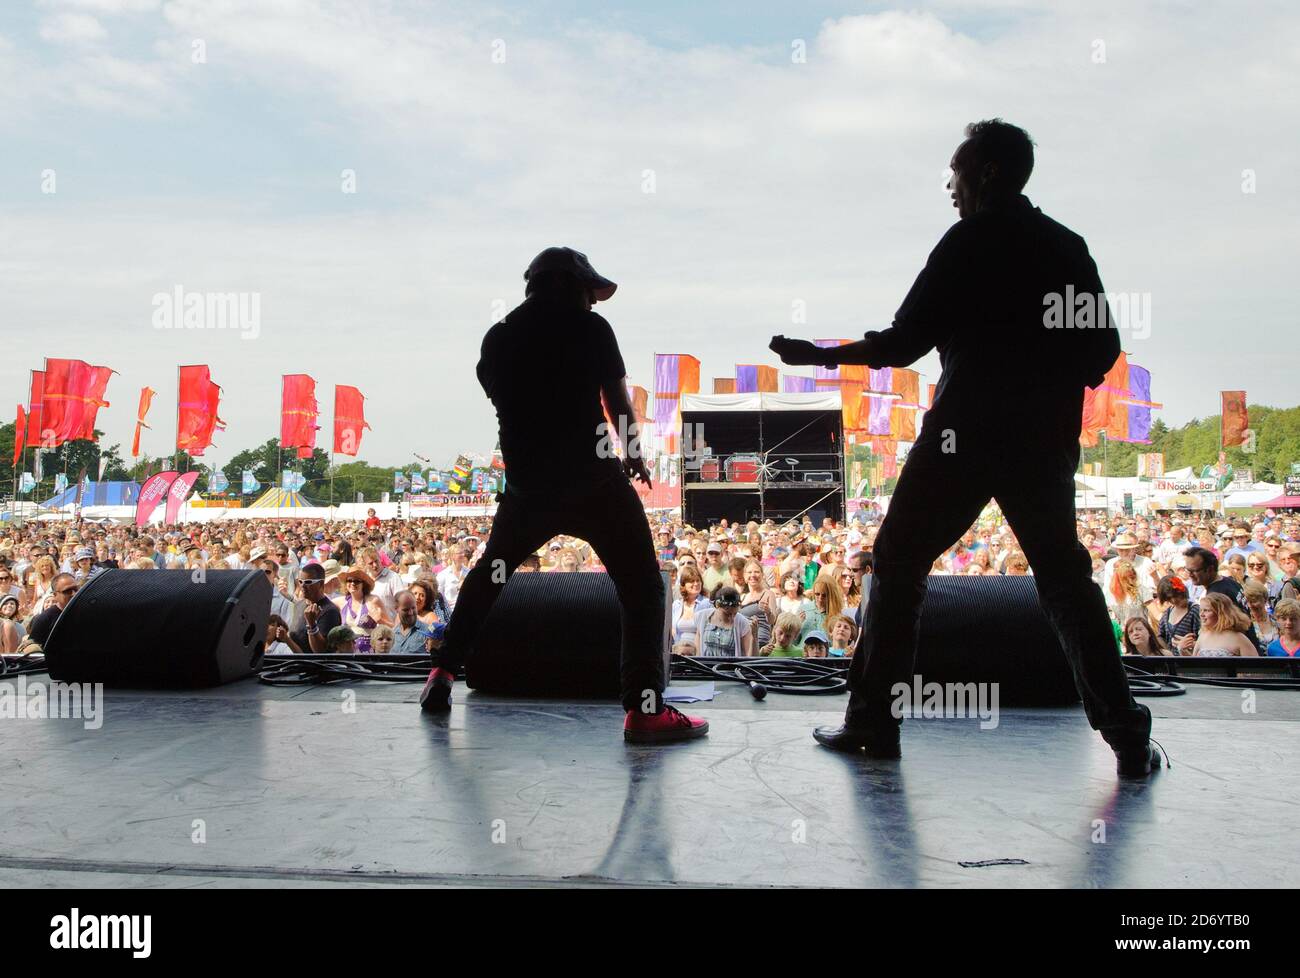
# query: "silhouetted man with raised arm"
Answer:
x=548 y=367
x=1013 y=302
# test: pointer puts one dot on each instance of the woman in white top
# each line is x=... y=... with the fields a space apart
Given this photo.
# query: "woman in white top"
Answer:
x=721 y=630
x=1256 y=594
x=1223 y=629
x=792 y=600
x=690 y=587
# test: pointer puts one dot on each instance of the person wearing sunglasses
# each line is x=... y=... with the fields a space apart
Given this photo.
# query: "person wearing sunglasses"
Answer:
x=62 y=588
x=9 y=584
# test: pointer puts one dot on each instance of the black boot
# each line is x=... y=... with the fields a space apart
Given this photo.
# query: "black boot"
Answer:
x=854 y=739
x=1137 y=762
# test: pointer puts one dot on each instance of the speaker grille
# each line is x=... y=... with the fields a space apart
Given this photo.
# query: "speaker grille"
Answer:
x=992 y=629
x=162 y=628
x=553 y=634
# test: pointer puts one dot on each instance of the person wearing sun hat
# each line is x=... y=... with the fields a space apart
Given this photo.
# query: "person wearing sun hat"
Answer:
x=1126 y=546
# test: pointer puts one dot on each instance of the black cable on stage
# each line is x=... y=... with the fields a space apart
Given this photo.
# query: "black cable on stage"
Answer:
x=304 y=671
x=1152 y=680
x=22 y=665
x=806 y=677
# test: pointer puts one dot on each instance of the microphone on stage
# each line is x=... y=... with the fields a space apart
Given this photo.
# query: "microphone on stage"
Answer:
x=758 y=691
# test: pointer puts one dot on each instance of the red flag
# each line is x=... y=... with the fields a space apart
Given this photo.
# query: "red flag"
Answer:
x=349 y=419
x=73 y=394
x=146 y=399
x=1235 y=418
x=152 y=493
x=196 y=410
x=298 y=410
x=20 y=427
x=177 y=493
x=34 y=411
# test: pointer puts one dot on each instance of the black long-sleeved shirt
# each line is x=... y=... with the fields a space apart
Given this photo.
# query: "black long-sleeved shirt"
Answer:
x=981 y=301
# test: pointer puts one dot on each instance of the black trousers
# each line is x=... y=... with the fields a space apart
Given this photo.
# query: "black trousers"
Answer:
x=610 y=517
x=940 y=493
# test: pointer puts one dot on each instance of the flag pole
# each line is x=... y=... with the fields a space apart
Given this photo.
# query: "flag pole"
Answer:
x=279 y=451
x=176 y=456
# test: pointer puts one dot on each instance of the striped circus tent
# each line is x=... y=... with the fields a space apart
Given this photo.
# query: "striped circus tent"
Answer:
x=277 y=498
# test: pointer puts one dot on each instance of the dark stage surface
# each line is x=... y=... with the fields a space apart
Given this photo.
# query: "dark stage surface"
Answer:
x=294 y=791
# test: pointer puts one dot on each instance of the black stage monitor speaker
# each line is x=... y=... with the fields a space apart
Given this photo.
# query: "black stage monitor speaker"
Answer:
x=991 y=629
x=162 y=629
x=554 y=634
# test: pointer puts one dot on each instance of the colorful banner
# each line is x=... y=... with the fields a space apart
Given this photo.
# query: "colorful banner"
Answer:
x=60 y=482
x=1151 y=465
x=72 y=396
x=1137 y=406
x=754 y=378
x=880 y=420
x=417 y=482
x=400 y=482
x=675 y=374
x=196 y=410
x=26 y=482
x=153 y=492
x=1235 y=418
x=249 y=485
x=907 y=385
x=146 y=399
x=798 y=385
x=349 y=419
x=298 y=412
x=217 y=481
x=1100 y=402
x=35 y=413
x=177 y=493
x=20 y=429
x=291 y=481
x=724 y=385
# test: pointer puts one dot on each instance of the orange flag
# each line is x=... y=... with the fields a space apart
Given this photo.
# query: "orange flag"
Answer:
x=146 y=399
x=1235 y=418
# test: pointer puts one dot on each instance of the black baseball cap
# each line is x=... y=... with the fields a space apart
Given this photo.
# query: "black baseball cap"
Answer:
x=560 y=259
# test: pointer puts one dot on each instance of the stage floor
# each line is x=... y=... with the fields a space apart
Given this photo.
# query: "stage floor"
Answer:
x=254 y=786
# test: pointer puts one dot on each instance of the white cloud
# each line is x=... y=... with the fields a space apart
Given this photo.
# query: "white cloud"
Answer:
x=72 y=29
x=776 y=181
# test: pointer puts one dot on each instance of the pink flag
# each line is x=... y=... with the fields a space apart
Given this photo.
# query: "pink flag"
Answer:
x=151 y=494
x=178 y=493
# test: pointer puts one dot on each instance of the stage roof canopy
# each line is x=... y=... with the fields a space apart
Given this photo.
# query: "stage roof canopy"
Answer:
x=811 y=401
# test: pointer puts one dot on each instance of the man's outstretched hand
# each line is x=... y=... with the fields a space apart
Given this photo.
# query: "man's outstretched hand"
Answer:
x=635 y=469
x=796 y=353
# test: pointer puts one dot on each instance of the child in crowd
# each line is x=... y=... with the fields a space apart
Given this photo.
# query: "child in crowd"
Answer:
x=1287 y=643
x=843 y=634
x=785 y=638
x=816 y=644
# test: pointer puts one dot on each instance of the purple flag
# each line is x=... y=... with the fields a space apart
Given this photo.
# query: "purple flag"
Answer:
x=798 y=385
x=1139 y=418
x=881 y=380
x=746 y=378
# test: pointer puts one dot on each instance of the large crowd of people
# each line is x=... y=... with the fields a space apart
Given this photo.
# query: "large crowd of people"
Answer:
x=1180 y=585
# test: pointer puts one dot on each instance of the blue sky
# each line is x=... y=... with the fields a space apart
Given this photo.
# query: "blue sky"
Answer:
x=775 y=183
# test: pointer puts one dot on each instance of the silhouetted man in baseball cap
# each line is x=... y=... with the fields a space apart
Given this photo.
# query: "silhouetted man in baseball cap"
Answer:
x=1005 y=423
x=552 y=368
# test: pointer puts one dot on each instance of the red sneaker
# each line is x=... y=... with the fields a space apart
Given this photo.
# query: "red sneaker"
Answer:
x=436 y=695
x=662 y=728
